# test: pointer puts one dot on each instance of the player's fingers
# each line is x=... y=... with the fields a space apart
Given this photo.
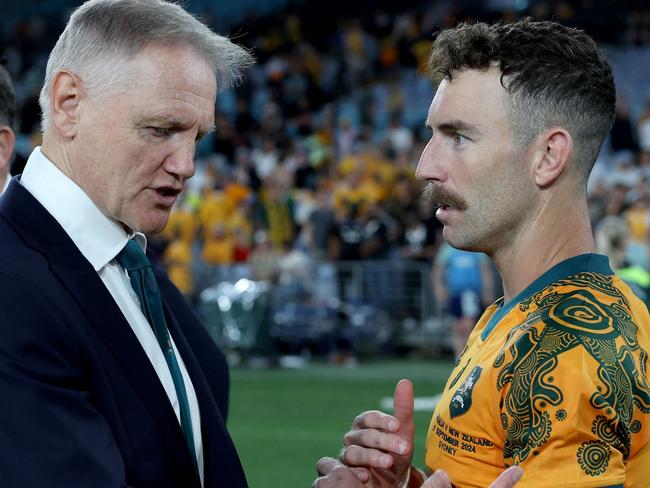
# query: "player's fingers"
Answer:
x=508 y=478
x=326 y=465
x=338 y=476
x=439 y=479
x=378 y=440
x=365 y=457
x=361 y=473
x=403 y=403
x=374 y=419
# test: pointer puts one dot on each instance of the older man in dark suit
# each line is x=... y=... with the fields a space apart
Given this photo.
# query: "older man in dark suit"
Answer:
x=104 y=381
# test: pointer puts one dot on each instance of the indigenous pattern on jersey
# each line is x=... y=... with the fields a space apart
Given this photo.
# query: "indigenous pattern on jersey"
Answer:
x=555 y=381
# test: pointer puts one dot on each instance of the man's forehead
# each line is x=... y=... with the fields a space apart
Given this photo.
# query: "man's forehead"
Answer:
x=469 y=94
x=176 y=76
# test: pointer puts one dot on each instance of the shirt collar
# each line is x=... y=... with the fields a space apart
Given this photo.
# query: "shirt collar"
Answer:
x=582 y=263
x=98 y=238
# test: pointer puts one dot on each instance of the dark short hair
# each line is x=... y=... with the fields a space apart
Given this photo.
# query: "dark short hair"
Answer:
x=554 y=76
x=7 y=99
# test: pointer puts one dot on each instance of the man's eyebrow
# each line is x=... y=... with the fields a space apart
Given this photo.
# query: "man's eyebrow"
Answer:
x=165 y=121
x=454 y=126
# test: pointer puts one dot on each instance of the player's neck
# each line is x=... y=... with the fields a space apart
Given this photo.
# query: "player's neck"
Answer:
x=552 y=238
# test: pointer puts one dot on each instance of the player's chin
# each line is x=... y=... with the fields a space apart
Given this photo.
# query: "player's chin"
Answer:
x=454 y=237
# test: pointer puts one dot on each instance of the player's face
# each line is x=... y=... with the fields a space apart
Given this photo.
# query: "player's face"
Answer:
x=476 y=175
x=138 y=142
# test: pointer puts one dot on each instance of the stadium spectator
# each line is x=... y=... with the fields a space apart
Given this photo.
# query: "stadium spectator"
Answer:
x=265 y=159
x=644 y=166
x=421 y=233
x=277 y=213
x=321 y=226
x=462 y=282
x=399 y=137
x=623 y=137
x=346 y=137
x=219 y=247
x=566 y=346
x=7 y=120
x=643 y=128
x=182 y=223
x=106 y=381
x=177 y=258
x=264 y=258
x=614 y=239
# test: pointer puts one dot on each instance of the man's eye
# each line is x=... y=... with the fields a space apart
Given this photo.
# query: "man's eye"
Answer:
x=459 y=139
x=159 y=131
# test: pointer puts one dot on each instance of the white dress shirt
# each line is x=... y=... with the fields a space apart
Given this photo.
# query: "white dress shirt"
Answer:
x=100 y=239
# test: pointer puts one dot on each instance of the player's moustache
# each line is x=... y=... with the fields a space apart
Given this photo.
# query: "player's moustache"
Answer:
x=440 y=196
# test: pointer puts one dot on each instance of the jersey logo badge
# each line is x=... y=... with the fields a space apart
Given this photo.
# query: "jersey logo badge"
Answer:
x=461 y=402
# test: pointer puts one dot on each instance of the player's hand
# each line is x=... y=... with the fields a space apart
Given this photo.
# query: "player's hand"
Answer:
x=333 y=474
x=507 y=479
x=382 y=444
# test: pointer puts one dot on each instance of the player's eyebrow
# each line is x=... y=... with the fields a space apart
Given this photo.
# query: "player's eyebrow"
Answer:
x=455 y=126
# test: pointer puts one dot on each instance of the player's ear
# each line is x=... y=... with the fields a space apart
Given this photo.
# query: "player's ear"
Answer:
x=555 y=151
x=66 y=92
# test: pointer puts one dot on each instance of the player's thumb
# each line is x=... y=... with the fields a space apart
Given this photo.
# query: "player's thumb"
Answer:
x=403 y=405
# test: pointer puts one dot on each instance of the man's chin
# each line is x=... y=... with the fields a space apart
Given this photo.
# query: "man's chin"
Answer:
x=454 y=239
x=464 y=243
x=153 y=224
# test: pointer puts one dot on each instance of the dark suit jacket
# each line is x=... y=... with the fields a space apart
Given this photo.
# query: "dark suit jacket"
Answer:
x=80 y=402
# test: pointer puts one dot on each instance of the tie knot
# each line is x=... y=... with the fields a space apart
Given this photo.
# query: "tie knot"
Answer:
x=132 y=258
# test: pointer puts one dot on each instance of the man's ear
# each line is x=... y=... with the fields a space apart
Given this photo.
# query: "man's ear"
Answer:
x=556 y=150
x=66 y=93
x=7 y=143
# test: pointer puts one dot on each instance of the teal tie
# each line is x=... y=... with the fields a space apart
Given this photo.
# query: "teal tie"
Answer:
x=145 y=286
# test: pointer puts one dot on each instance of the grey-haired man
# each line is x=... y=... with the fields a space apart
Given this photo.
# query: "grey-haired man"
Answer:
x=107 y=378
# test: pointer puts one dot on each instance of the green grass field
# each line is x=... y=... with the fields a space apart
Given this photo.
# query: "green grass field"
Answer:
x=282 y=421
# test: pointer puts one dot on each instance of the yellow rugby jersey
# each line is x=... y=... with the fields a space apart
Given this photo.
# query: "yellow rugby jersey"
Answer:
x=554 y=381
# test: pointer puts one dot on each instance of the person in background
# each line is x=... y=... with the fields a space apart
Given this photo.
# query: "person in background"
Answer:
x=463 y=285
x=7 y=121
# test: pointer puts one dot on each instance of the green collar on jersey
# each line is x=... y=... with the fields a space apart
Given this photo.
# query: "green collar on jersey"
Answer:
x=592 y=263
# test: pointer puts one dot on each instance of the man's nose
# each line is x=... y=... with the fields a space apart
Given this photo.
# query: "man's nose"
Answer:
x=181 y=162
x=430 y=166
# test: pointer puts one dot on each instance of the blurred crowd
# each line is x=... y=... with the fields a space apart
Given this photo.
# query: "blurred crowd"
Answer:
x=313 y=156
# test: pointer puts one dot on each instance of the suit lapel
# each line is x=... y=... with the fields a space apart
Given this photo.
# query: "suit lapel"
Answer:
x=43 y=233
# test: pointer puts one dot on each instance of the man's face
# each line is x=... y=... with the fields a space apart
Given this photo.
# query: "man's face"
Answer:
x=475 y=173
x=135 y=146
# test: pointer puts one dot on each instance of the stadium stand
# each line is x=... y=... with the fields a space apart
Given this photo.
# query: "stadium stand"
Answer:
x=307 y=186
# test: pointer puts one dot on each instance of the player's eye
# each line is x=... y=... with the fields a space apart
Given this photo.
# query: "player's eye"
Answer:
x=459 y=139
